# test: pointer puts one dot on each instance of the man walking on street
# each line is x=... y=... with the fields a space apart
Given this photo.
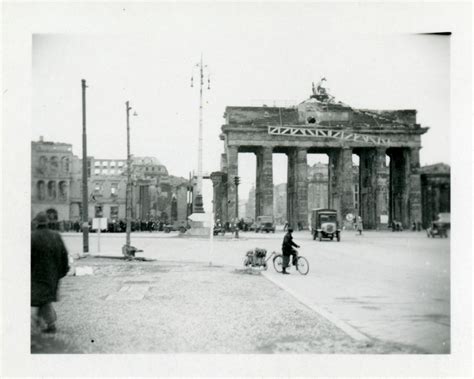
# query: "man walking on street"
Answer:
x=287 y=250
x=49 y=263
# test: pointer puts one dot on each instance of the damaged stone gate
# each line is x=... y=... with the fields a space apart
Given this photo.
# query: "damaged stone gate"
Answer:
x=322 y=126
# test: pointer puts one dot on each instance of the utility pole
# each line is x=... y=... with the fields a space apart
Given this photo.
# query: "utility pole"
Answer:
x=236 y=182
x=85 y=194
x=128 y=200
x=198 y=202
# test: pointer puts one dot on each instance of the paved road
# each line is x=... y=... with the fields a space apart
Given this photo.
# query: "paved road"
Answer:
x=391 y=286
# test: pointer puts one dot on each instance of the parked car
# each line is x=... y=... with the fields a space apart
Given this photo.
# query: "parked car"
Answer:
x=440 y=226
x=253 y=227
x=265 y=224
x=324 y=224
x=437 y=228
x=180 y=226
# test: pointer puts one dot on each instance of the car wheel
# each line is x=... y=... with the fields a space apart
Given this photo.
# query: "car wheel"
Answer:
x=182 y=229
x=167 y=230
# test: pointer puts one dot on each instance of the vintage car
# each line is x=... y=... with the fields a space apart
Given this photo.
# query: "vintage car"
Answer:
x=324 y=224
x=180 y=226
x=440 y=226
x=265 y=224
x=437 y=228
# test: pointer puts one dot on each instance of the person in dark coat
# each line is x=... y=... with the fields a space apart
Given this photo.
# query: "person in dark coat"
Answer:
x=49 y=263
x=287 y=250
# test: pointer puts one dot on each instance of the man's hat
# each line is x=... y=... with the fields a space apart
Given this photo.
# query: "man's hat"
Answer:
x=290 y=230
x=41 y=219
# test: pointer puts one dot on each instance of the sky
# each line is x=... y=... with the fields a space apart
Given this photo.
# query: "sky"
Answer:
x=271 y=57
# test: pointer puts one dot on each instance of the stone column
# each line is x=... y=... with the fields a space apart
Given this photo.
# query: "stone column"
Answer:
x=258 y=192
x=333 y=196
x=344 y=183
x=382 y=182
x=415 y=186
x=232 y=172
x=400 y=185
x=297 y=188
x=264 y=182
x=291 y=189
x=301 y=190
x=367 y=187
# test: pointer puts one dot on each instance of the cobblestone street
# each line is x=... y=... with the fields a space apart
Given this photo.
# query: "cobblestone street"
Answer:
x=178 y=303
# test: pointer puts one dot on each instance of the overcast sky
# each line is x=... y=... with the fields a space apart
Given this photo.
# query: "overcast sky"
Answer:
x=273 y=56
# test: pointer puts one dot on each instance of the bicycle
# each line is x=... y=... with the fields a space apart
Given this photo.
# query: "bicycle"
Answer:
x=302 y=264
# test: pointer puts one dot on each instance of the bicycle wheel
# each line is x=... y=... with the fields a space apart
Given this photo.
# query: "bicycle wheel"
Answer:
x=302 y=265
x=278 y=263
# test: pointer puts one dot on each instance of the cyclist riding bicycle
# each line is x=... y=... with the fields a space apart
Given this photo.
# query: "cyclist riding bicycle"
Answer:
x=287 y=250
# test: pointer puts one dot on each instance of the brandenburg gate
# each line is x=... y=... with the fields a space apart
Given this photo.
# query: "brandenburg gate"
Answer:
x=320 y=125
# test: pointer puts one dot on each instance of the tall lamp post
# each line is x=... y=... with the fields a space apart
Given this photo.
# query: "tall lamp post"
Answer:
x=127 y=249
x=85 y=197
x=236 y=182
x=198 y=202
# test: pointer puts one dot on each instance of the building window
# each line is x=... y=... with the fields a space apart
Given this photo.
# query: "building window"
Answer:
x=97 y=171
x=120 y=164
x=54 y=164
x=97 y=188
x=112 y=164
x=114 y=212
x=105 y=171
x=65 y=165
x=40 y=190
x=96 y=164
x=114 y=189
x=98 y=211
x=43 y=163
x=62 y=190
x=51 y=190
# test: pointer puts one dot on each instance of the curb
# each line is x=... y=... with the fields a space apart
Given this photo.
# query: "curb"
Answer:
x=346 y=328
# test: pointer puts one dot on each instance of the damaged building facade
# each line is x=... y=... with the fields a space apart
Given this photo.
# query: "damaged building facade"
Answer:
x=386 y=192
x=56 y=186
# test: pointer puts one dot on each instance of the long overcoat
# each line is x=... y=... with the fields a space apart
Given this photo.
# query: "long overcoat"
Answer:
x=287 y=246
x=49 y=263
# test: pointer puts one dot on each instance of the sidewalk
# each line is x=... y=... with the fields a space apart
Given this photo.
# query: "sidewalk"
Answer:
x=189 y=307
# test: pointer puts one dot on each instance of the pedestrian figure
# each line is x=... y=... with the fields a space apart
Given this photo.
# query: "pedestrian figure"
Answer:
x=287 y=250
x=359 y=225
x=49 y=263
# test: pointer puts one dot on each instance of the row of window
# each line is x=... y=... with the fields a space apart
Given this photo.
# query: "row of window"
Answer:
x=107 y=171
x=108 y=164
x=54 y=164
x=51 y=190
x=99 y=211
x=114 y=187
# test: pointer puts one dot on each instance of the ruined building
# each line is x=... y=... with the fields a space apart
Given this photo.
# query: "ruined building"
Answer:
x=321 y=126
x=56 y=186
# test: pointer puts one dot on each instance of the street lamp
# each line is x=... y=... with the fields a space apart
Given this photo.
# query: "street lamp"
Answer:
x=236 y=182
x=198 y=202
x=127 y=249
x=85 y=199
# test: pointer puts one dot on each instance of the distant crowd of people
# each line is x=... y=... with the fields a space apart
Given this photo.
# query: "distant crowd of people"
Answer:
x=113 y=226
